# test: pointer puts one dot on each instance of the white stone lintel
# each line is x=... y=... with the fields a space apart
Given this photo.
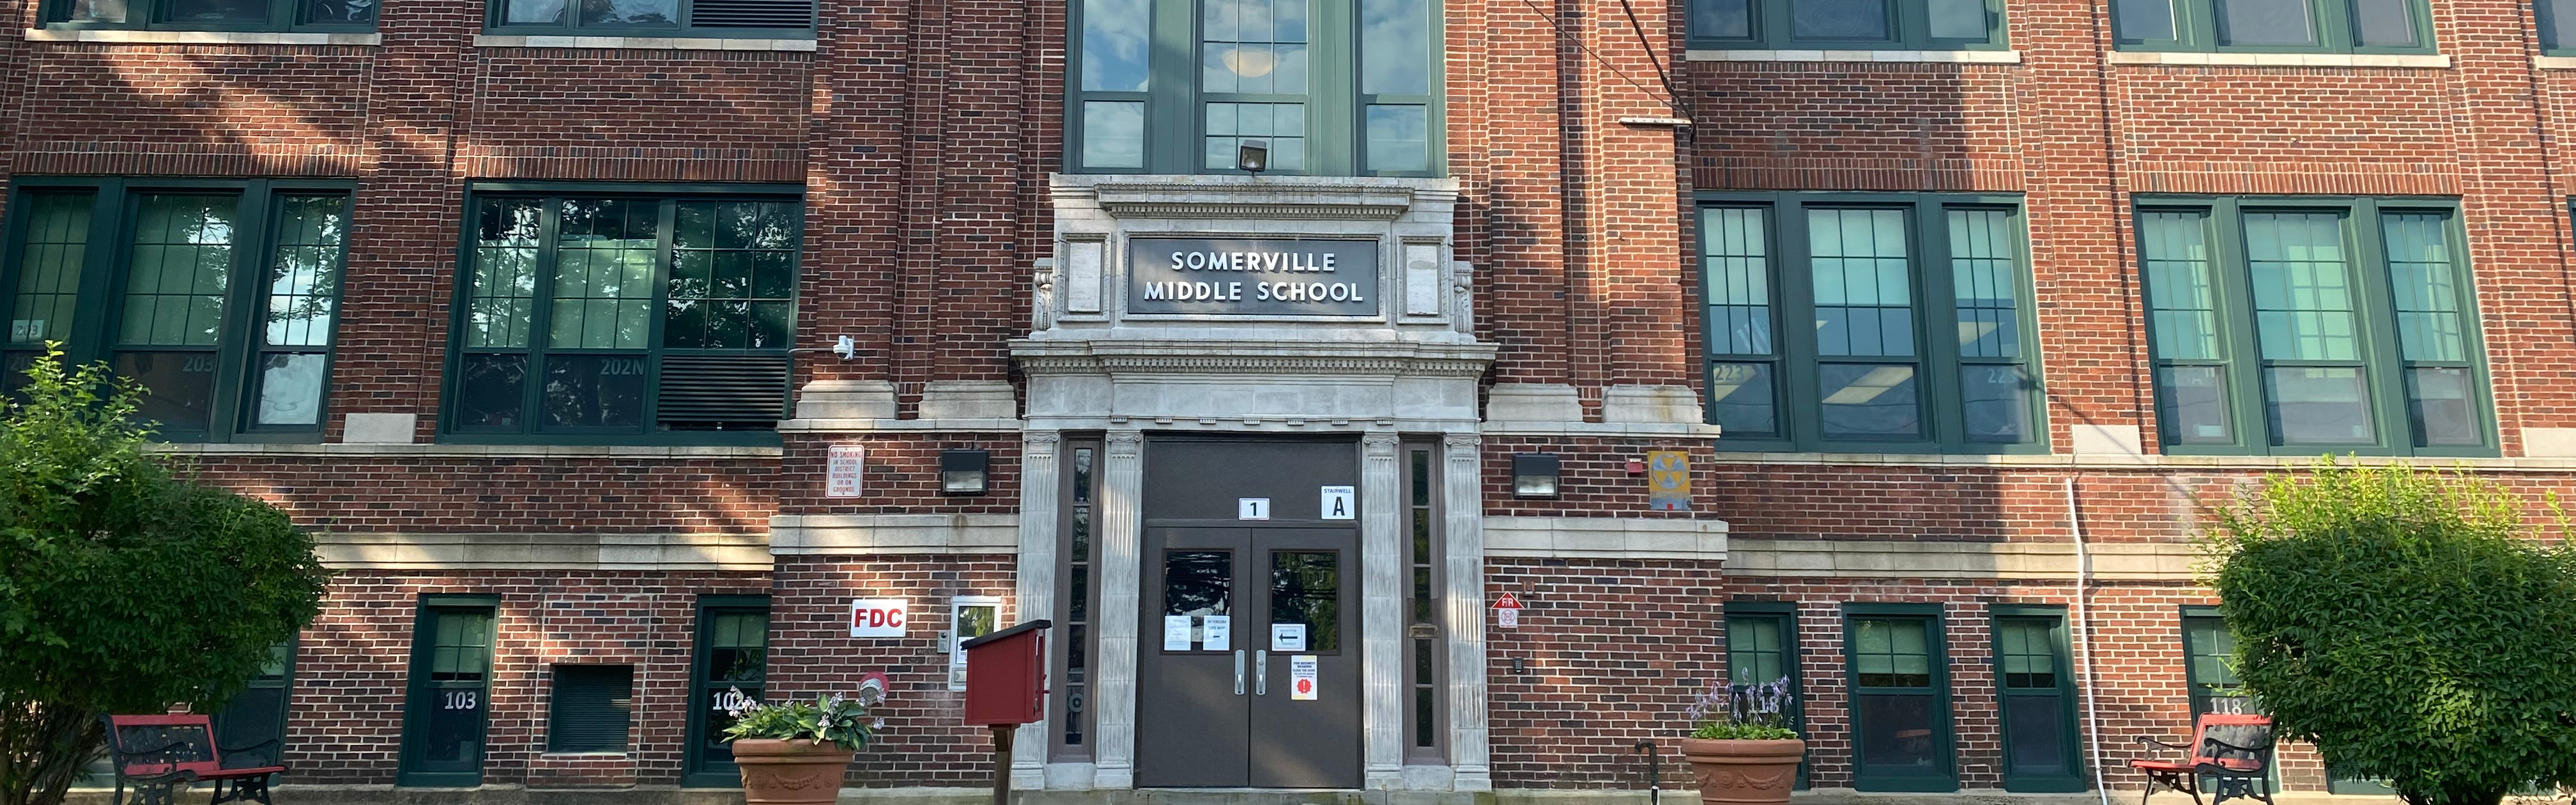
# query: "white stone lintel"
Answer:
x=861 y=534
x=1605 y=538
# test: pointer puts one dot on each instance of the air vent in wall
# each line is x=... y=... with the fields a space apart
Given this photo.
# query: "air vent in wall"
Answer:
x=752 y=14
x=730 y=391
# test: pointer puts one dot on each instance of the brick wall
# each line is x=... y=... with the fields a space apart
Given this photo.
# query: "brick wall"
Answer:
x=812 y=653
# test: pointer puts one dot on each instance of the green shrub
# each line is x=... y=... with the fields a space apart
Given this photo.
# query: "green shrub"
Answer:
x=2408 y=624
x=122 y=589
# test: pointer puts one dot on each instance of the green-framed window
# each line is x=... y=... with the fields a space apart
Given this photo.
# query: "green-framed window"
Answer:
x=1847 y=24
x=1922 y=314
x=2209 y=663
x=2274 y=26
x=449 y=701
x=1076 y=598
x=608 y=317
x=730 y=19
x=1898 y=670
x=2035 y=691
x=1330 y=87
x=1425 y=667
x=218 y=296
x=256 y=716
x=731 y=668
x=317 y=16
x=2293 y=326
x=1761 y=648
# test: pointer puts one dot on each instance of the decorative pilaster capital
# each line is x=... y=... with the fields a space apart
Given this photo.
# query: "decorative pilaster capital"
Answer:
x=1381 y=444
x=1039 y=443
x=1463 y=441
x=1125 y=442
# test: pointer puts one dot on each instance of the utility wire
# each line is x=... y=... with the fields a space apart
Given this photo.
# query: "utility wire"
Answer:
x=1649 y=49
x=1605 y=63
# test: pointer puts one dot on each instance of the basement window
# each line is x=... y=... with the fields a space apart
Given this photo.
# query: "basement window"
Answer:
x=729 y=19
x=318 y=16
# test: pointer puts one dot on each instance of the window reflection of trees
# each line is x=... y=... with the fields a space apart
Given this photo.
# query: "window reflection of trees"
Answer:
x=1197 y=582
x=1305 y=587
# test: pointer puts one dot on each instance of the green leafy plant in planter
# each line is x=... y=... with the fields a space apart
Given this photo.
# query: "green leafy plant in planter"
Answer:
x=794 y=752
x=1741 y=749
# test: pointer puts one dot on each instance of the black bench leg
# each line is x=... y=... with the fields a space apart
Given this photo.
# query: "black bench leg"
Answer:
x=246 y=789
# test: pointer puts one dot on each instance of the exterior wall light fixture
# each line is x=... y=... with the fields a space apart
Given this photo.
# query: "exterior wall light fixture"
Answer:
x=961 y=472
x=1534 y=475
x=1253 y=156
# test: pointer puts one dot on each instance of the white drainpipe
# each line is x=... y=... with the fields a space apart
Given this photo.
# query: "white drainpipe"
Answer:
x=2083 y=637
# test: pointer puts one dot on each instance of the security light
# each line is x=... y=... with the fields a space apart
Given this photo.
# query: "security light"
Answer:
x=1534 y=475
x=1253 y=156
x=961 y=472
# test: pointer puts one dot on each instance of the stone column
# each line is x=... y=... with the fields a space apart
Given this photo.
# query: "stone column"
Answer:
x=1381 y=611
x=1039 y=490
x=1121 y=572
x=1463 y=596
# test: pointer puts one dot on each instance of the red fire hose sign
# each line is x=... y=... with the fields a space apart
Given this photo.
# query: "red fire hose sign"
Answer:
x=1301 y=677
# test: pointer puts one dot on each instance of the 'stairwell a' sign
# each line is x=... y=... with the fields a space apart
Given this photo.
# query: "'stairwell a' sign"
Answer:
x=1257 y=277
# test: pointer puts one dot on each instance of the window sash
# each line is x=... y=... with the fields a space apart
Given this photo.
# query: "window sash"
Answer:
x=2236 y=378
x=1925 y=621
x=148 y=15
x=1175 y=136
x=91 y=267
x=1909 y=26
x=532 y=341
x=496 y=20
x=1757 y=272
x=2196 y=26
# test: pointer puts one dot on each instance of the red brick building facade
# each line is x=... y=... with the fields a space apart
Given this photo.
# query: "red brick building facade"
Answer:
x=562 y=423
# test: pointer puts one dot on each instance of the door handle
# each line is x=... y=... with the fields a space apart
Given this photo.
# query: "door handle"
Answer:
x=1238 y=672
x=1261 y=673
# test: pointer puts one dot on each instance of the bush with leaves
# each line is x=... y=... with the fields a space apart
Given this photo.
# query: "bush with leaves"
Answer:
x=122 y=588
x=1741 y=712
x=841 y=721
x=2408 y=624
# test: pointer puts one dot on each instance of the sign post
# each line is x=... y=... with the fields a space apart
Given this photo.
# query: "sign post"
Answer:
x=1005 y=688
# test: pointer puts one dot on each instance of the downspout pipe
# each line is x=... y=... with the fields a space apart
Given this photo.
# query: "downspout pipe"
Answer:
x=2084 y=638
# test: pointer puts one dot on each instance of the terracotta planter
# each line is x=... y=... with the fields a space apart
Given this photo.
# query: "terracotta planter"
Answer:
x=790 y=772
x=1744 y=772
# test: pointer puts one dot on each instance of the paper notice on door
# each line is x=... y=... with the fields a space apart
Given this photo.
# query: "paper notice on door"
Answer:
x=1301 y=677
x=1176 y=632
x=1287 y=637
x=1216 y=633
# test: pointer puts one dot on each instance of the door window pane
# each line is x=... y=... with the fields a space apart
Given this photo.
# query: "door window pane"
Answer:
x=98 y=11
x=1757 y=649
x=2318 y=405
x=1113 y=134
x=501 y=297
x=1994 y=402
x=1958 y=19
x=2442 y=405
x=1306 y=587
x=339 y=12
x=304 y=273
x=488 y=391
x=1838 y=19
x=1895 y=732
x=49 y=266
x=1721 y=19
x=2303 y=296
x=1399 y=137
x=2195 y=404
x=631 y=13
x=290 y=388
x=1114 y=45
x=215 y=11
x=1863 y=289
x=180 y=387
x=533 y=12
x=1985 y=280
x=2028 y=653
x=733 y=275
x=2175 y=249
x=2384 y=23
x=2208 y=648
x=2036 y=726
x=1869 y=401
x=1395 y=47
x=1198 y=583
x=1282 y=126
x=2265 y=22
x=2143 y=19
x=1741 y=400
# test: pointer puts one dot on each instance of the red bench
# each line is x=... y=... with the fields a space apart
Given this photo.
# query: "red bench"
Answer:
x=2232 y=750
x=162 y=755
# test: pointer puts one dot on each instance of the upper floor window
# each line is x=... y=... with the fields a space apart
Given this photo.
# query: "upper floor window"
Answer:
x=1327 y=87
x=218 y=297
x=2557 y=26
x=1847 y=24
x=707 y=18
x=609 y=318
x=2303 y=325
x=1869 y=323
x=214 y=15
x=2274 y=26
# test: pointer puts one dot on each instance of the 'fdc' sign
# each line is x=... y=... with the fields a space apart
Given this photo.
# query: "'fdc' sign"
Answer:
x=877 y=617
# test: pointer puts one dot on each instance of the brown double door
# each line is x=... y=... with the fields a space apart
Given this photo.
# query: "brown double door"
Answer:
x=1248 y=666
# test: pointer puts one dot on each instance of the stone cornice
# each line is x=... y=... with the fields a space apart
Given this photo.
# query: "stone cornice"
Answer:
x=1270 y=358
x=1264 y=197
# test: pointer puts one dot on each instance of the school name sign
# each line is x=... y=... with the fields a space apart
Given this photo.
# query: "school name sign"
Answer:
x=1252 y=277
